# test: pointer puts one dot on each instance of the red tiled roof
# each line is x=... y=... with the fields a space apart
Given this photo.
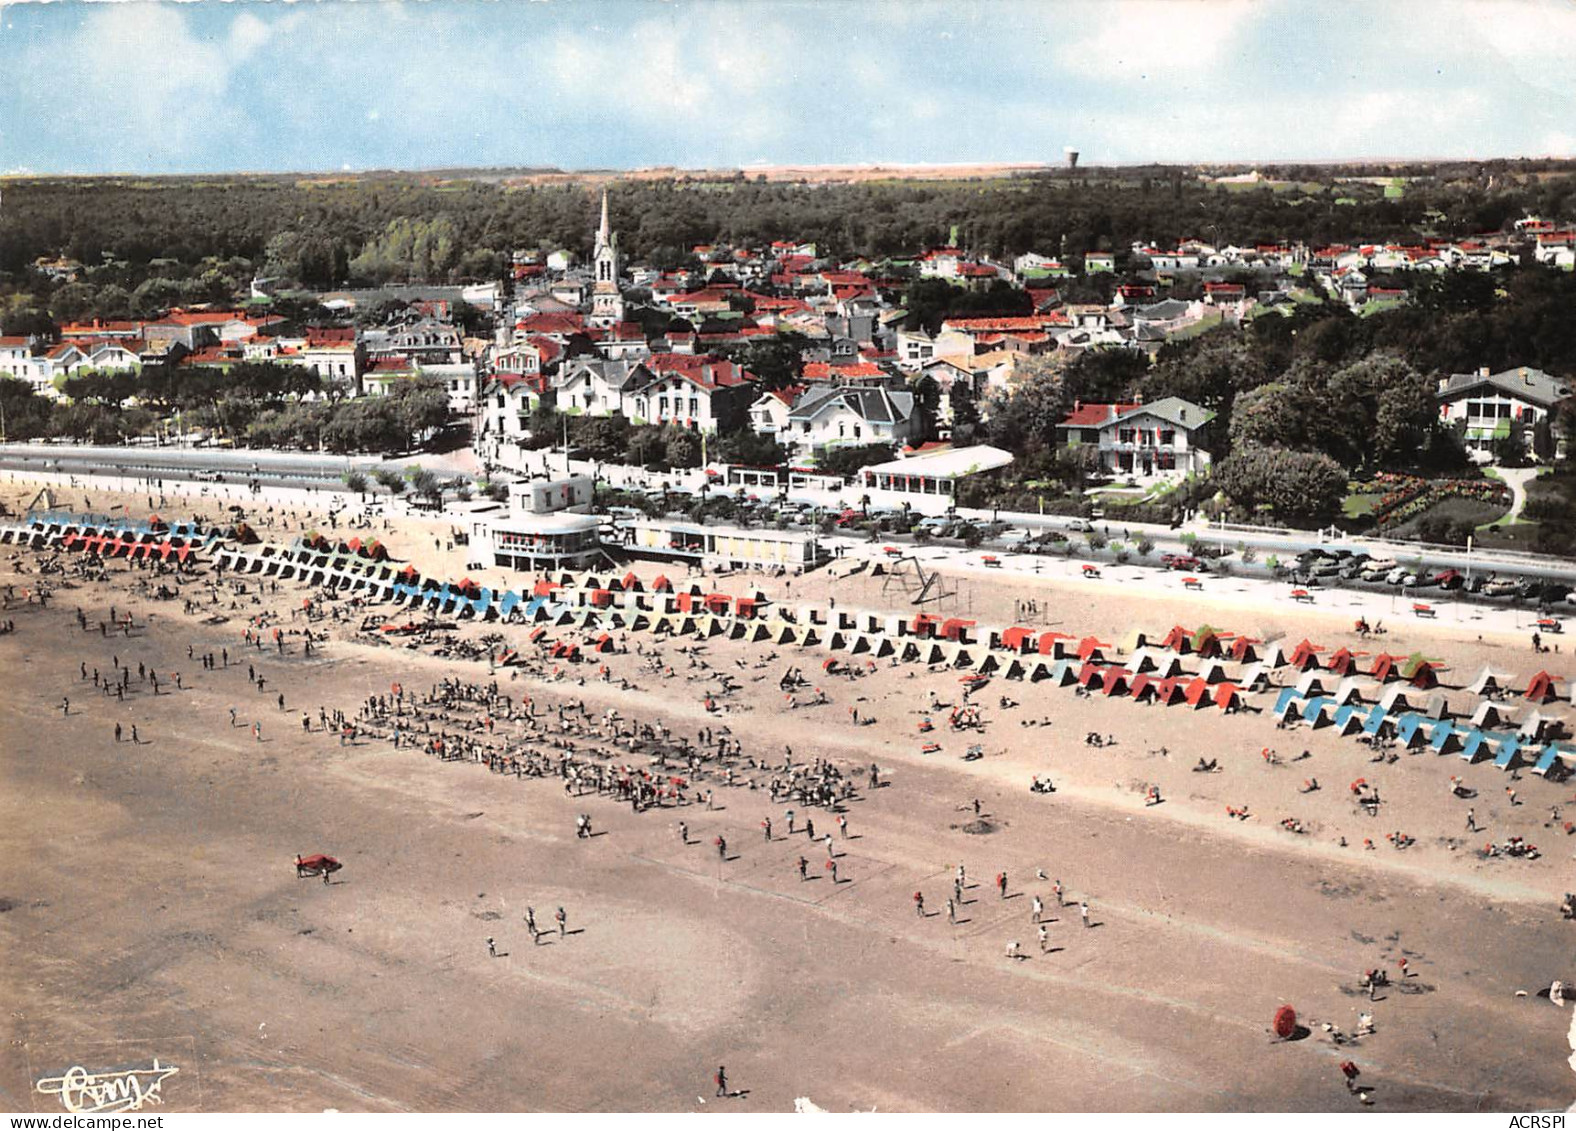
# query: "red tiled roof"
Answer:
x=993 y=325
x=551 y=324
x=1094 y=415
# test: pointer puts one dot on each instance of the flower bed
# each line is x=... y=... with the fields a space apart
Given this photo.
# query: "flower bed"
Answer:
x=1407 y=496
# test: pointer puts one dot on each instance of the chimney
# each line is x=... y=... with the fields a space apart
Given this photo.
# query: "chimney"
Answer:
x=1483 y=372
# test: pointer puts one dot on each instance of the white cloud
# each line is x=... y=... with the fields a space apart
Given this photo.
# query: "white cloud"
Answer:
x=1153 y=38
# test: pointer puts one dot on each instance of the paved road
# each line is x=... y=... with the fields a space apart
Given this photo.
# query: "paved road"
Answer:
x=315 y=470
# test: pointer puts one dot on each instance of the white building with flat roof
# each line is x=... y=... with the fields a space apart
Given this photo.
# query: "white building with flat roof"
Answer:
x=720 y=547
x=546 y=526
x=928 y=481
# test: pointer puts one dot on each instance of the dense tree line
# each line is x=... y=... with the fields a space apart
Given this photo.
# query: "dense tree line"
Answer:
x=324 y=232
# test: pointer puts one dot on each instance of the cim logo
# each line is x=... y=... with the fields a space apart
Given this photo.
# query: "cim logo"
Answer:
x=93 y=1093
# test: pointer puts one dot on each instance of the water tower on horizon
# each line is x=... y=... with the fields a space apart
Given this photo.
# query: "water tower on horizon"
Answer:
x=1072 y=158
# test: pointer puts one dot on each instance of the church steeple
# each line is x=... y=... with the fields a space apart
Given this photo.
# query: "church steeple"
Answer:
x=604 y=233
x=607 y=305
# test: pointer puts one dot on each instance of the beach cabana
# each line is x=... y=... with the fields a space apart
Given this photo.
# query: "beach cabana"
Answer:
x=1212 y=671
x=1378 y=721
x=1178 y=639
x=1244 y=650
x=1092 y=649
x=1059 y=672
x=1442 y=737
x=1311 y=683
x=1017 y=639
x=1142 y=660
x=1054 y=644
x=1272 y=655
x=1475 y=746
x=1288 y=711
x=1385 y=667
x=1089 y=676
x=1226 y=697
x=1342 y=662
x=1115 y=681
x=1436 y=706
x=1316 y=712
x=1542 y=688
x=1197 y=693
x=1348 y=691
x=1348 y=721
x=1394 y=699
x=1133 y=640
x=1535 y=725
x=1507 y=751
x=1254 y=678
x=1288 y=696
x=1490 y=682
x=1549 y=762
x=1409 y=729
x=1305 y=656
x=1488 y=715
x=957 y=629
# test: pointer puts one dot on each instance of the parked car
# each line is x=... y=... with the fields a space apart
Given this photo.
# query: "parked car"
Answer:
x=1417 y=580
x=1449 y=579
x=1081 y=526
x=1396 y=575
x=1500 y=587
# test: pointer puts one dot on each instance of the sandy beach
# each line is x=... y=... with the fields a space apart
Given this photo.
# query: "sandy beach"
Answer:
x=149 y=896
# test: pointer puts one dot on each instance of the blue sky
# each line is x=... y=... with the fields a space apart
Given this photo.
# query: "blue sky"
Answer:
x=254 y=85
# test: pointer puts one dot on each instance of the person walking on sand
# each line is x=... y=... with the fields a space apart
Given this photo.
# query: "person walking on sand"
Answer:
x=766 y=827
x=952 y=912
x=919 y=904
x=1001 y=884
x=1056 y=889
x=804 y=869
x=722 y=848
x=117 y=732
x=1083 y=913
x=492 y=947
x=65 y=705
x=683 y=833
x=530 y=925
x=232 y=716
x=1044 y=937
x=257 y=731
x=1471 y=821
x=1036 y=909
x=722 y=1080
x=136 y=739
x=562 y=920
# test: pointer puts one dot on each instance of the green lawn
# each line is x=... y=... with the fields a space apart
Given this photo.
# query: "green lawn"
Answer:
x=1359 y=505
x=1456 y=511
x=1211 y=319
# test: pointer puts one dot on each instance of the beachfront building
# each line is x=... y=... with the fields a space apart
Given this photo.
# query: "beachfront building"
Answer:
x=928 y=481
x=1142 y=440
x=1486 y=403
x=719 y=547
x=546 y=525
